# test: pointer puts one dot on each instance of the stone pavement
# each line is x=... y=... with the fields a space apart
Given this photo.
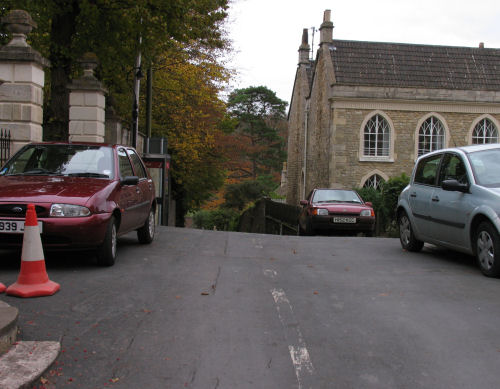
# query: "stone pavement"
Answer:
x=21 y=362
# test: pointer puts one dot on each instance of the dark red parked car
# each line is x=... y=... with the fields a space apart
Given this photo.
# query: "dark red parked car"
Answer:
x=337 y=210
x=85 y=195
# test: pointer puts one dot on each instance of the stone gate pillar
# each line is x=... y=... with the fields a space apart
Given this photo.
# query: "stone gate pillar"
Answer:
x=22 y=73
x=87 y=104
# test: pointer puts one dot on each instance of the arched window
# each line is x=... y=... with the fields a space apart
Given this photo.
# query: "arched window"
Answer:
x=484 y=132
x=430 y=136
x=374 y=181
x=377 y=137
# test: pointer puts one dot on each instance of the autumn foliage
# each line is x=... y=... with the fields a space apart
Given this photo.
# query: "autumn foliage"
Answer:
x=188 y=111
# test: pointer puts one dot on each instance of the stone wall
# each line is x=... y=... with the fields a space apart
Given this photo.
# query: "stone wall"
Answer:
x=347 y=168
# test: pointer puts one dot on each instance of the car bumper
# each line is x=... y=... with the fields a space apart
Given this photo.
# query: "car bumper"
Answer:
x=65 y=233
x=362 y=224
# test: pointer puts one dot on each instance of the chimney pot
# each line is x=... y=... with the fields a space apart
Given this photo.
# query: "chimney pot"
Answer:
x=326 y=28
x=481 y=45
x=304 y=48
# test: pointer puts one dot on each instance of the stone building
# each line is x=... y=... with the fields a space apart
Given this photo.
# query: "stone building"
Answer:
x=362 y=112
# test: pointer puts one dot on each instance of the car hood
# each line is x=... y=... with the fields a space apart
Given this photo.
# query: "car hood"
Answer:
x=50 y=189
x=342 y=207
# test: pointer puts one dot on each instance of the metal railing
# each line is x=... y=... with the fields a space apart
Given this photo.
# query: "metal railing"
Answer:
x=5 y=143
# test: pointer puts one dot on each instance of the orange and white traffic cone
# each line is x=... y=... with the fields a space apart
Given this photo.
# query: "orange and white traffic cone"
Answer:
x=2 y=288
x=33 y=280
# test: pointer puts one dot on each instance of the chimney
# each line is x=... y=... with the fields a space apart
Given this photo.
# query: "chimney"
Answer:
x=326 y=28
x=304 y=48
x=481 y=45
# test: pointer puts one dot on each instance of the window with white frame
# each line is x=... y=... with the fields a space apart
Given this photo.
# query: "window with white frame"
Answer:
x=484 y=132
x=374 y=181
x=377 y=137
x=430 y=136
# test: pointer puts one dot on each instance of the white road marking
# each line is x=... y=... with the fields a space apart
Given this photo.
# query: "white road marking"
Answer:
x=270 y=273
x=299 y=354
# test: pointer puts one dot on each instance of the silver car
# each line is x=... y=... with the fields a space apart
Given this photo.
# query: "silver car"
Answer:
x=453 y=200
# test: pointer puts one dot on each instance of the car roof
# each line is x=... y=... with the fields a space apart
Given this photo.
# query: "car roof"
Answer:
x=335 y=189
x=80 y=144
x=463 y=149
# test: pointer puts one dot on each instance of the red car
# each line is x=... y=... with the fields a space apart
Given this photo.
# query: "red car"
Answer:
x=85 y=195
x=336 y=210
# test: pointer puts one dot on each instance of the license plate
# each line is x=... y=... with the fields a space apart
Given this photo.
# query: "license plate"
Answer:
x=14 y=226
x=339 y=219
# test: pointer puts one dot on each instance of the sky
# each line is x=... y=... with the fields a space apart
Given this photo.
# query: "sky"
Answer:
x=266 y=34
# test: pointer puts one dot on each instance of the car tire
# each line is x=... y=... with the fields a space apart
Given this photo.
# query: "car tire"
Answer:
x=106 y=256
x=146 y=233
x=487 y=245
x=406 y=235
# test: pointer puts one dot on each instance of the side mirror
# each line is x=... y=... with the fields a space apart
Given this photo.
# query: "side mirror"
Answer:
x=369 y=203
x=303 y=202
x=454 y=186
x=129 y=180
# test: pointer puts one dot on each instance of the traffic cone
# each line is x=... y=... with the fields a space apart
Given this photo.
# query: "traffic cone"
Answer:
x=33 y=280
x=2 y=288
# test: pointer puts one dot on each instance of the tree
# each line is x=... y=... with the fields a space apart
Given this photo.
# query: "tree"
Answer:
x=259 y=113
x=111 y=29
x=188 y=111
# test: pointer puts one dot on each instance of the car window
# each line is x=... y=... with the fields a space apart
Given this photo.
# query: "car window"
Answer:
x=486 y=167
x=140 y=171
x=453 y=168
x=427 y=170
x=62 y=159
x=125 y=166
x=332 y=196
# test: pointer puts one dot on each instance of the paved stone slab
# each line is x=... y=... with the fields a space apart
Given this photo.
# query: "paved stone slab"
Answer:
x=8 y=326
x=25 y=362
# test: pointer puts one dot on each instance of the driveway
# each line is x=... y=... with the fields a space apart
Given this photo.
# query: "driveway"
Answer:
x=208 y=309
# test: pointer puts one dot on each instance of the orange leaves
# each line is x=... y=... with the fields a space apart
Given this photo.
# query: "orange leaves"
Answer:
x=189 y=111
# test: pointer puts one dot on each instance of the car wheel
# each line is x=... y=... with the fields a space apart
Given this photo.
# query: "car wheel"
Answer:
x=488 y=249
x=406 y=235
x=146 y=233
x=106 y=256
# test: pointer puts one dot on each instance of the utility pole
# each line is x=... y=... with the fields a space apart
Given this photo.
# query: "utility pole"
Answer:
x=149 y=98
x=137 y=88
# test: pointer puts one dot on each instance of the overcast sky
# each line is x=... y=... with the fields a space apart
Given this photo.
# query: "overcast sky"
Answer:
x=266 y=34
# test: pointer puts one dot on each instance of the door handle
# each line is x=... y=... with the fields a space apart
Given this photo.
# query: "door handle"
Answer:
x=435 y=199
x=413 y=194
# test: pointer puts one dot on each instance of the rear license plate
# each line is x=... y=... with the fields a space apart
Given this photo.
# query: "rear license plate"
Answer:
x=339 y=219
x=14 y=226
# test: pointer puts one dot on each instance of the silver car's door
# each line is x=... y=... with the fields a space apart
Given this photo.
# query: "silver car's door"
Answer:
x=451 y=209
x=424 y=184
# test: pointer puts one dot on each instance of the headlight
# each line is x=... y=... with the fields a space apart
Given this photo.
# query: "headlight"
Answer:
x=367 y=212
x=68 y=210
x=320 y=211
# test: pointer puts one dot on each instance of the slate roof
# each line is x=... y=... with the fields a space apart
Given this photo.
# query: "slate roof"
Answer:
x=412 y=65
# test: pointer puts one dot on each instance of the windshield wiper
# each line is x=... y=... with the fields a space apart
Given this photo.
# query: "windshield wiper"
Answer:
x=88 y=174
x=40 y=171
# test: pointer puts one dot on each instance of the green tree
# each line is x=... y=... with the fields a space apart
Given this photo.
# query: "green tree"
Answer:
x=240 y=194
x=259 y=113
x=385 y=200
x=111 y=29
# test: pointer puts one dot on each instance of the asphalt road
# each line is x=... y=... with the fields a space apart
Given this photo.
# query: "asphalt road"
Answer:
x=208 y=309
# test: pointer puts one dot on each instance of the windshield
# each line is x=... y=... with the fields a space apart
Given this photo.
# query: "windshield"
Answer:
x=336 y=196
x=66 y=160
x=486 y=167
